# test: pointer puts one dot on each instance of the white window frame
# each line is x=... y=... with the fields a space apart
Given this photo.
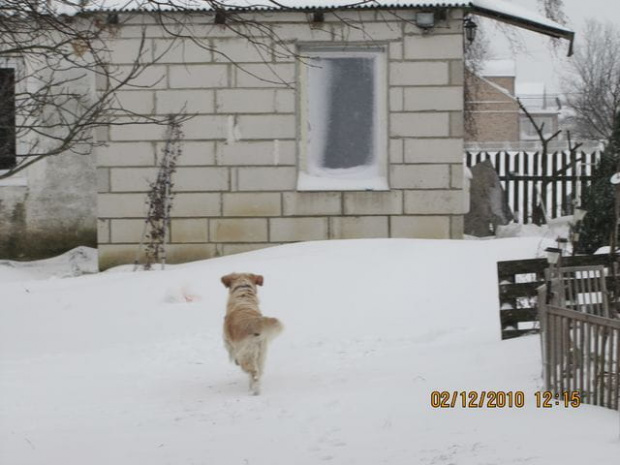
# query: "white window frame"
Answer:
x=372 y=177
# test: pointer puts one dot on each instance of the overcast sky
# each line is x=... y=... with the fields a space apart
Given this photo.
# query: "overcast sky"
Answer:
x=538 y=63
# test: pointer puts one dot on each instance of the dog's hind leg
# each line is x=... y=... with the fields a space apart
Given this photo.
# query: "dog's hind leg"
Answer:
x=255 y=384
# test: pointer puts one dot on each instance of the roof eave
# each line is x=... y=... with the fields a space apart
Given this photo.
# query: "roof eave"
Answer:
x=526 y=24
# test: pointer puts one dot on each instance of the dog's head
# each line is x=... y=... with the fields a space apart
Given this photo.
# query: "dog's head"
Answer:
x=234 y=281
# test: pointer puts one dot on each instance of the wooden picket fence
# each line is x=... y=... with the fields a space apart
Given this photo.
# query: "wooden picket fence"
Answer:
x=581 y=353
x=529 y=179
x=518 y=283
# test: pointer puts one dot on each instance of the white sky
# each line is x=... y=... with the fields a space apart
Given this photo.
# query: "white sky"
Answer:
x=539 y=63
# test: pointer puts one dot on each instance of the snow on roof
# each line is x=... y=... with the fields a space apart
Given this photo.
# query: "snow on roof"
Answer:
x=496 y=68
x=500 y=10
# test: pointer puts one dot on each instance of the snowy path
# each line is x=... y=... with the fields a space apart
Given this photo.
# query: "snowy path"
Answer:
x=105 y=369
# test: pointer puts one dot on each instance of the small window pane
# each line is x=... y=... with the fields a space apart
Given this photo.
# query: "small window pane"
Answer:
x=342 y=112
x=7 y=118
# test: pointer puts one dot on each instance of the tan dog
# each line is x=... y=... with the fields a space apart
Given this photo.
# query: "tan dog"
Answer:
x=246 y=331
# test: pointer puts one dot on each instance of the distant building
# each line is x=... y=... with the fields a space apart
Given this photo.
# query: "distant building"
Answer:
x=498 y=123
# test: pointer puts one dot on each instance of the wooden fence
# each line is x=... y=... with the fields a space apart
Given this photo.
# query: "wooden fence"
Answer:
x=518 y=281
x=581 y=353
x=529 y=179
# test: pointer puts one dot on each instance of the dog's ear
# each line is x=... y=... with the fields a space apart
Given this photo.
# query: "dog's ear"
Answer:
x=258 y=279
x=227 y=280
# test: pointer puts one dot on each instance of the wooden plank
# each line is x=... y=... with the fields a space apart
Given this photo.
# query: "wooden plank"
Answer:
x=538 y=265
x=508 y=317
x=610 y=366
x=553 y=212
x=617 y=395
x=509 y=292
x=513 y=333
x=526 y=188
x=593 y=319
x=565 y=207
x=588 y=362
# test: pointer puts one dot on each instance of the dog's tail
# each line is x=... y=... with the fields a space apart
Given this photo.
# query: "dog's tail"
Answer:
x=270 y=327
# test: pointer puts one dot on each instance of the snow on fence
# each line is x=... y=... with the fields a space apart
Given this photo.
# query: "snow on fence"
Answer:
x=518 y=296
x=581 y=353
x=555 y=181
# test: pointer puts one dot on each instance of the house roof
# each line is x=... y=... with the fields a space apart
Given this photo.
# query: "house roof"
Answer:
x=500 y=10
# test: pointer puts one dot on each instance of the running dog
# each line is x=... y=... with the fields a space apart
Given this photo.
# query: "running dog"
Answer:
x=246 y=331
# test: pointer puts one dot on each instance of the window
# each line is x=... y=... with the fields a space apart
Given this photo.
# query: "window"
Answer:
x=7 y=118
x=343 y=120
x=528 y=131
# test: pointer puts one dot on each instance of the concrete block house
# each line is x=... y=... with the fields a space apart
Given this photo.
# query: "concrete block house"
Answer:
x=340 y=120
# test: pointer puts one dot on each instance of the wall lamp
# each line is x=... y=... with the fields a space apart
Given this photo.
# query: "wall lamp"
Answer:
x=470 y=29
x=425 y=20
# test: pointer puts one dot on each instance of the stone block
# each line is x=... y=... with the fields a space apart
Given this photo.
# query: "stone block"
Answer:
x=396 y=150
x=254 y=204
x=267 y=179
x=198 y=76
x=126 y=154
x=373 y=203
x=238 y=230
x=420 y=227
x=183 y=253
x=103 y=231
x=130 y=51
x=194 y=153
x=433 y=150
x=358 y=227
x=371 y=33
x=122 y=205
x=273 y=152
x=231 y=249
x=175 y=51
x=433 y=98
x=285 y=101
x=419 y=125
x=137 y=101
x=396 y=99
x=196 y=205
x=396 y=51
x=189 y=230
x=131 y=179
x=265 y=75
x=420 y=176
x=297 y=229
x=433 y=46
x=245 y=101
x=184 y=101
x=457 y=128
x=266 y=127
x=138 y=132
x=240 y=50
x=203 y=127
x=419 y=73
x=434 y=202
x=103 y=180
x=457 y=72
x=200 y=179
x=127 y=231
x=151 y=78
x=312 y=203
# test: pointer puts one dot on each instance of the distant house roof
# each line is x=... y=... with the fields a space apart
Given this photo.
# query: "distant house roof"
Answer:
x=500 y=10
x=498 y=68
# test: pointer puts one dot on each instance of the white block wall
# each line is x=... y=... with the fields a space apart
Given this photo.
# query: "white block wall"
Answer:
x=236 y=180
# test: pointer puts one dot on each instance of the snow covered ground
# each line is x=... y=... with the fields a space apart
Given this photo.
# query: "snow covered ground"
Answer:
x=128 y=368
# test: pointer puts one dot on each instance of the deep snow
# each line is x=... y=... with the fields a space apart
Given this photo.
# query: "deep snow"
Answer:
x=129 y=368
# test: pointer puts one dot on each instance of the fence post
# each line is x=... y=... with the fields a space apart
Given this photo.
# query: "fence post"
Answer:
x=544 y=336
